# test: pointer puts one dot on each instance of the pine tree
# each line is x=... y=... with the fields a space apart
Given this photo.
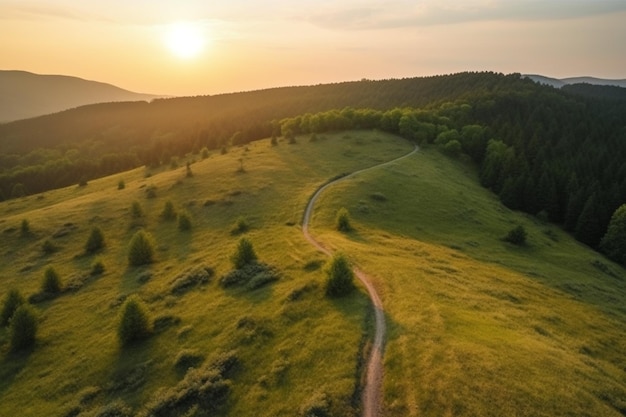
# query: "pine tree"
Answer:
x=340 y=277
x=613 y=244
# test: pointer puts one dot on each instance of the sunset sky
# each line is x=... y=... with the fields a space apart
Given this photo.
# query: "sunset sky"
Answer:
x=206 y=47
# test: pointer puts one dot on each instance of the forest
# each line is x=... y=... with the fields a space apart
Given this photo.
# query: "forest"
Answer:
x=556 y=154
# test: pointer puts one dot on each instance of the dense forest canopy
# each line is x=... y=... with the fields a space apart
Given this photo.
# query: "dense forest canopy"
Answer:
x=554 y=153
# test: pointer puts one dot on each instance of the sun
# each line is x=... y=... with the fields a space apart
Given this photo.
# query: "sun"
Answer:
x=185 y=40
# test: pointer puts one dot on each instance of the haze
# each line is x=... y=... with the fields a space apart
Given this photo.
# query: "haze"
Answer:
x=250 y=44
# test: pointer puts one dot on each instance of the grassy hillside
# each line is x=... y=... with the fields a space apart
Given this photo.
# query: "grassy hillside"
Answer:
x=479 y=326
x=476 y=326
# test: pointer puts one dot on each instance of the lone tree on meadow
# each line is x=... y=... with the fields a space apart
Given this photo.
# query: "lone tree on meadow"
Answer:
x=343 y=220
x=340 y=277
x=141 y=249
x=23 y=328
x=12 y=301
x=169 y=212
x=95 y=242
x=244 y=254
x=51 y=283
x=516 y=236
x=613 y=244
x=134 y=322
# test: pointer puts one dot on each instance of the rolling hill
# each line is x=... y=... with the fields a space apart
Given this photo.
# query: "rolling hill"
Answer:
x=560 y=82
x=24 y=95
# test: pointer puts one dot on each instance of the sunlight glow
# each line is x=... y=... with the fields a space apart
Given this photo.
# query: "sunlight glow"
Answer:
x=185 y=40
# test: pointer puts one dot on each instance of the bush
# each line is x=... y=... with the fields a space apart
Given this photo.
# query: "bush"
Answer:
x=121 y=185
x=12 y=301
x=516 y=236
x=244 y=254
x=134 y=322
x=240 y=226
x=340 y=277
x=252 y=276
x=23 y=328
x=49 y=247
x=51 y=283
x=343 y=220
x=135 y=210
x=97 y=268
x=95 y=242
x=188 y=279
x=25 y=228
x=184 y=221
x=204 y=153
x=141 y=249
x=169 y=212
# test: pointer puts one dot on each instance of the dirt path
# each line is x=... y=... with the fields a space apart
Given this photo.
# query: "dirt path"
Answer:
x=374 y=375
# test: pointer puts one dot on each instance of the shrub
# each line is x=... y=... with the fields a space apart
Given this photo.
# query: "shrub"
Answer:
x=184 y=221
x=49 y=247
x=240 y=226
x=95 y=242
x=97 y=268
x=25 y=228
x=23 y=328
x=340 y=277
x=188 y=358
x=151 y=192
x=343 y=220
x=141 y=249
x=121 y=185
x=244 y=254
x=135 y=210
x=12 y=301
x=169 y=212
x=188 y=279
x=516 y=236
x=51 y=283
x=316 y=406
x=252 y=276
x=134 y=322
x=204 y=153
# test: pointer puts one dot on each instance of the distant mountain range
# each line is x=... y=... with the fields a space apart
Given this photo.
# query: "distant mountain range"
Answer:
x=24 y=95
x=558 y=83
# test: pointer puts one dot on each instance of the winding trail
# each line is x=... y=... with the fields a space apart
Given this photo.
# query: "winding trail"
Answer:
x=374 y=372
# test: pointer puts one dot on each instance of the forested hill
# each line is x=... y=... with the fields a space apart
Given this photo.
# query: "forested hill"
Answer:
x=554 y=153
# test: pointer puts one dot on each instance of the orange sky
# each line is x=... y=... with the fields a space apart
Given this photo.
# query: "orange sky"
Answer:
x=250 y=44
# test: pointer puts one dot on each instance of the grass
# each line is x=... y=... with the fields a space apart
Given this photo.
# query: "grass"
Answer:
x=477 y=326
x=281 y=354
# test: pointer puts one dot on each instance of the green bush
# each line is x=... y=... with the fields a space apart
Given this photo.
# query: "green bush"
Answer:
x=244 y=254
x=51 y=283
x=97 y=268
x=134 y=322
x=12 y=301
x=340 y=280
x=184 y=221
x=49 y=247
x=95 y=242
x=23 y=328
x=135 y=210
x=240 y=226
x=516 y=236
x=141 y=249
x=343 y=220
x=169 y=212
x=25 y=228
x=121 y=185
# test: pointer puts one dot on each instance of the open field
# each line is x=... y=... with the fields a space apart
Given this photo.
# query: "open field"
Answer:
x=476 y=326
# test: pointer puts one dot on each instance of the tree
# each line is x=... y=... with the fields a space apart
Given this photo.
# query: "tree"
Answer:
x=169 y=212
x=134 y=322
x=141 y=249
x=51 y=283
x=121 y=185
x=23 y=328
x=184 y=221
x=25 y=228
x=343 y=220
x=12 y=301
x=244 y=254
x=588 y=229
x=613 y=244
x=136 y=210
x=340 y=277
x=95 y=242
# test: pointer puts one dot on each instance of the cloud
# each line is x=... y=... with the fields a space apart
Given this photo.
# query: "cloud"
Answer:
x=402 y=14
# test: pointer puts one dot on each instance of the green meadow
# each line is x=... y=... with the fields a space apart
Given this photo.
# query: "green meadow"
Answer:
x=476 y=326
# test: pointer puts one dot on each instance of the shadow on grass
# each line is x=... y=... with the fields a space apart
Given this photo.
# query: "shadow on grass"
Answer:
x=11 y=365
